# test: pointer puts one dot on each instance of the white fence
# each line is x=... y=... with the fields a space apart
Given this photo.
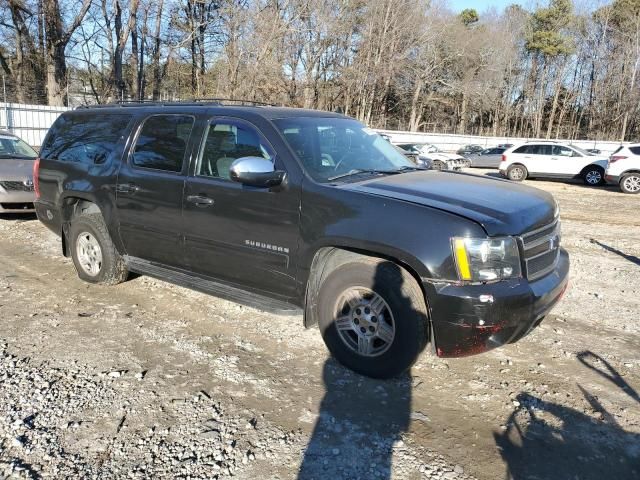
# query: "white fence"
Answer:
x=29 y=122
x=451 y=142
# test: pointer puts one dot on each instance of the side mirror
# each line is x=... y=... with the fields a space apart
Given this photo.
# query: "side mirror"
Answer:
x=256 y=172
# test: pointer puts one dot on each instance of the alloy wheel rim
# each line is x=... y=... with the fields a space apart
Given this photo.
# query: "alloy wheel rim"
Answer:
x=89 y=254
x=364 y=321
x=517 y=173
x=594 y=177
x=632 y=183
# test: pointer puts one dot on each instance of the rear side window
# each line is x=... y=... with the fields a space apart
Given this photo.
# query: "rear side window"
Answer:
x=534 y=149
x=87 y=138
x=162 y=142
x=635 y=150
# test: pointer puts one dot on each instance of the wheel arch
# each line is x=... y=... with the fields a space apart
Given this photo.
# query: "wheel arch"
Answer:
x=73 y=205
x=590 y=166
x=326 y=258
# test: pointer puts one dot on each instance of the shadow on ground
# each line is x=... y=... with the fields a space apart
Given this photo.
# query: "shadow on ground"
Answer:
x=545 y=440
x=631 y=258
x=18 y=217
x=361 y=418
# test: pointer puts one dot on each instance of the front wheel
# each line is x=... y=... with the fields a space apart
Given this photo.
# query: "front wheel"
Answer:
x=630 y=183
x=593 y=176
x=438 y=165
x=373 y=317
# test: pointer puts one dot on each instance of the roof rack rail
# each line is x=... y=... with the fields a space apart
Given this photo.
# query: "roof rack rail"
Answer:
x=195 y=101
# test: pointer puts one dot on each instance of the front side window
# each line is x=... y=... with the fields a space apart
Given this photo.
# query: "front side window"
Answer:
x=162 y=142
x=562 y=151
x=226 y=142
x=88 y=138
x=332 y=147
x=634 y=150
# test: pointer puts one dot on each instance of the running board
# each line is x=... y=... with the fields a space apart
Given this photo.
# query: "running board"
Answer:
x=216 y=289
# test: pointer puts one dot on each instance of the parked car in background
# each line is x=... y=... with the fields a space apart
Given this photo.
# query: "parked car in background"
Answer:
x=470 y=149
x=487 y=158
x=439 y=159
x=594 y=151
x=303 y=212
x=552 y=160
x=16 y=174
x=623 y=168
x=423 y=162
x=505 y=145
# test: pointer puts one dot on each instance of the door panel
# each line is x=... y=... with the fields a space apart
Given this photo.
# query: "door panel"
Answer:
x=150 y=188
x=243 y=235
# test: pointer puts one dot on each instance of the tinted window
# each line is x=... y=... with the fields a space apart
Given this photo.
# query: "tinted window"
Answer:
x=84 y=137
x=162 y=142
x=635 y=150
x=226 y=142
x=540 y=149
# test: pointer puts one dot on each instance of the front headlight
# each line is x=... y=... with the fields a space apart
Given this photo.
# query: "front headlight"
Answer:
x=486 y=259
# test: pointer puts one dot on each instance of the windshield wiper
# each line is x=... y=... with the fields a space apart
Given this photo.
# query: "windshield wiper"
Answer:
x=408 y=168
x=358 y=171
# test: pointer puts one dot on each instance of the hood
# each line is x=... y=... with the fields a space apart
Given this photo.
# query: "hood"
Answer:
x=500 y=206
x=14 y=169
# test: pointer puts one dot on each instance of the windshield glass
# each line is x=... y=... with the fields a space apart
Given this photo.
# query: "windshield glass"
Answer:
x=579 y=150
x=13 y=147
x=332 y=147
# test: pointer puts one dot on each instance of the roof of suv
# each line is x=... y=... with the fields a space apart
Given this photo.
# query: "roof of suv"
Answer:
x=269 y=112
x=7 y=133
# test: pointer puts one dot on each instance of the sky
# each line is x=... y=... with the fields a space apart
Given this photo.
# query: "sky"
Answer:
x=479 y=5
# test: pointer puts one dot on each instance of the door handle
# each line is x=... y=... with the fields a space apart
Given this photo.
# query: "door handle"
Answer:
x=127 y=188
x=200 y=200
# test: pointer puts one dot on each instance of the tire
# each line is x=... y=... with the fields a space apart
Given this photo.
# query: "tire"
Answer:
x=94 y=255
x=593 y=175
x=630 y=183
x=402 y=313
x=517 y=172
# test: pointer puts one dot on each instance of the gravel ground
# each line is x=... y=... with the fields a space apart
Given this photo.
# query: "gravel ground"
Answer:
x=149 y=380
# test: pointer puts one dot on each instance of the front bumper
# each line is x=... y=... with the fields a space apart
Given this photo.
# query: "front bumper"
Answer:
x=470 y=319
x=16 y=201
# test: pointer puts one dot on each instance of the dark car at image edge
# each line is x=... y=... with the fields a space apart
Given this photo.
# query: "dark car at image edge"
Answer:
x=303 y=212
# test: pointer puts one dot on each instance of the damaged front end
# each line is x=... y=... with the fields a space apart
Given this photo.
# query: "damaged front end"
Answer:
x=467 y=319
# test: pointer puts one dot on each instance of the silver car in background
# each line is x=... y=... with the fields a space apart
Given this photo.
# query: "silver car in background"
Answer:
x=16 y=174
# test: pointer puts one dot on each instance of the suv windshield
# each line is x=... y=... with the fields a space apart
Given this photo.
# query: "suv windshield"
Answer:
x=580 y=150
x=13 y=147
x=330 y=148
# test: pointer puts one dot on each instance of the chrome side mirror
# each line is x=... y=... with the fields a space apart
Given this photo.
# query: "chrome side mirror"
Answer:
x=256 y=172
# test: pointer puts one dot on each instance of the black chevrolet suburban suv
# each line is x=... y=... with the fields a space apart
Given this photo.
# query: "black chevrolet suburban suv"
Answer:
x=303 y=212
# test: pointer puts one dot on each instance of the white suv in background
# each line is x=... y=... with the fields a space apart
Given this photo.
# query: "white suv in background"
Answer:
x=624 y=168
x=552 y=160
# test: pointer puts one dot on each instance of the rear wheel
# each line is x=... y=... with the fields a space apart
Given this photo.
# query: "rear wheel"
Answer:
x=593 y=175
x=517 y=172
x=630 y=183
x=94 y=255
x=373 y=317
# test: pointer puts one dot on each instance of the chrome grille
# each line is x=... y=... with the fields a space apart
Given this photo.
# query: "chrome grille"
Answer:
x=17 y=186
x=541 y=249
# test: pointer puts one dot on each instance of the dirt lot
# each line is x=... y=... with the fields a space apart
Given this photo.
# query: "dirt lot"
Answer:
x=149 y=380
